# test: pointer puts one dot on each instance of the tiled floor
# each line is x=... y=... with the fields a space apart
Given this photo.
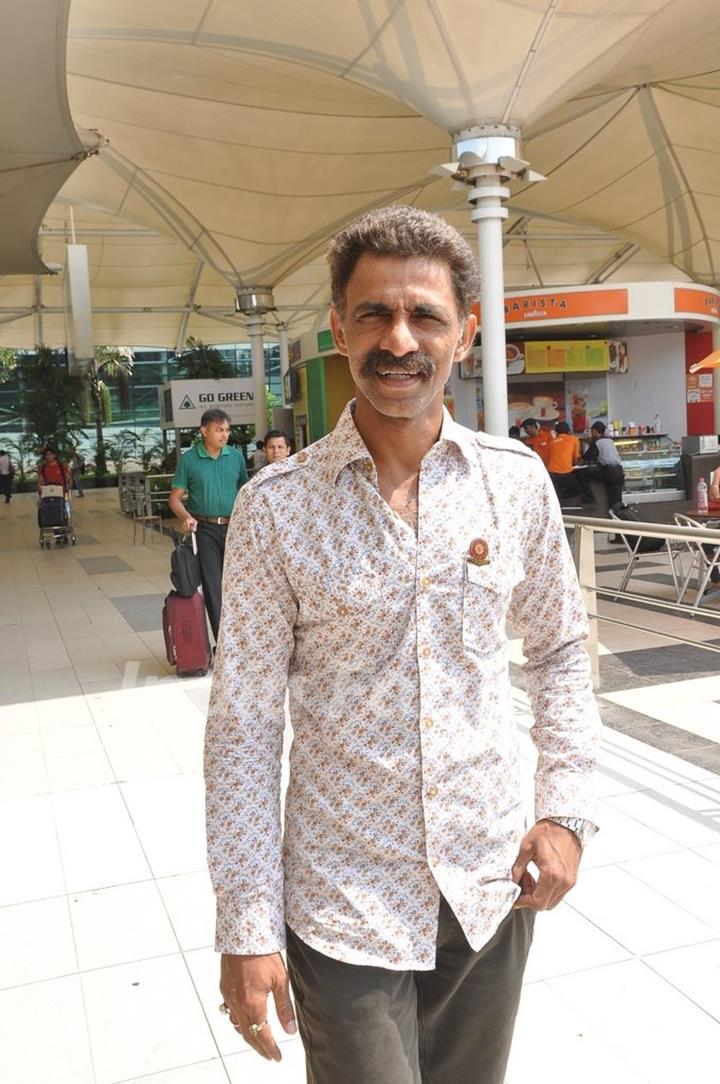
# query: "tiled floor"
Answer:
x=107 y=972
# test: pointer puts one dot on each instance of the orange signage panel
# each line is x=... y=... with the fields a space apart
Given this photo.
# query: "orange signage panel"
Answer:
x=700 y=301
x=562 y=305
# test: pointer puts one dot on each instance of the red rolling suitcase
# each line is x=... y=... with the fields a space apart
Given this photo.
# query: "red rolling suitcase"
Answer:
x=186 y=638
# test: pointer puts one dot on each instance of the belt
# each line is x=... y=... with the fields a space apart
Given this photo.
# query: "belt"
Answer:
x=223 y=520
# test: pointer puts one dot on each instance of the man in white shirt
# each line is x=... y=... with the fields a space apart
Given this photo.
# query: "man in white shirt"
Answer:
x=387 y=559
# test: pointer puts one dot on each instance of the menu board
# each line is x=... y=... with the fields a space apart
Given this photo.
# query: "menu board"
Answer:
x=567 y=356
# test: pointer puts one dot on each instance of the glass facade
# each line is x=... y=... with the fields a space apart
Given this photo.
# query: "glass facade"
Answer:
x=152 y=368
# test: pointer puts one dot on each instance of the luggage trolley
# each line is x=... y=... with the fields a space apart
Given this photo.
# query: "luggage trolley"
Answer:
x=55 y=517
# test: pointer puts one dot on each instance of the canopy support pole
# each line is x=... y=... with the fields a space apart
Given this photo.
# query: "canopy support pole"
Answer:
x=284 y=356
x=716 y=377
x=487 y=157
x=487 y=198
x=257 y=347
x=254 y=302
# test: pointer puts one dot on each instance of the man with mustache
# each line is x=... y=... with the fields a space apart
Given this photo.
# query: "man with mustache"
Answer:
x=387 y=559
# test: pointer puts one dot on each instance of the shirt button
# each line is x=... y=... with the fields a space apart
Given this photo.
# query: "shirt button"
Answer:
x=431 y=792
x=424 y=581
x=425 y=652
x=428 y=722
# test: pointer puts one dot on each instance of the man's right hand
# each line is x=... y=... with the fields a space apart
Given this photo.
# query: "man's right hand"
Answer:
x=245 y=983
x=190 y=523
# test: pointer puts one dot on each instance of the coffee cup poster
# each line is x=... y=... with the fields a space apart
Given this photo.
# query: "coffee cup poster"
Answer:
x=543 y=401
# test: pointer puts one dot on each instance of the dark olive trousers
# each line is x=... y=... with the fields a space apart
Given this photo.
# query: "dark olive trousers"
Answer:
x=452 y=1025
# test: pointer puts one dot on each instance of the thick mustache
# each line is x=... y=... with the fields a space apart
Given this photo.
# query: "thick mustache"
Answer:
x=415 y=362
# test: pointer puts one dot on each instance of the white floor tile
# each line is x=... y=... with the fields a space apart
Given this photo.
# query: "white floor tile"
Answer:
x=622 y=838
x=169 y=817
x=120 y=924
x=250 y=1068
x=627 y=765
x=98 y=842
x=22 y=766
x=695 y=972
x=190 y=902
x=635 y=916
x=555 y=1044
x=565 y=941
x=686 y=878
x=206 y=1072
x=660 y=1033
x=63 y=712
x=144 y=1018
x=36 y=942
x=29 y=851
x=43 y=1034
x=712 y=853
x=135 y=750
x=688 y=814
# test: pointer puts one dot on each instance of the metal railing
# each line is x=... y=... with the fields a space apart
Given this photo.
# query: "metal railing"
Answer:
x=583 y=547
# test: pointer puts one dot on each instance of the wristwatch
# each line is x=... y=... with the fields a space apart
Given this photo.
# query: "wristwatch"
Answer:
x=582 y=828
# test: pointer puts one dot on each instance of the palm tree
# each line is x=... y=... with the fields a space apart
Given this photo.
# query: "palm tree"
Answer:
x=198 y=361
x=113 y=363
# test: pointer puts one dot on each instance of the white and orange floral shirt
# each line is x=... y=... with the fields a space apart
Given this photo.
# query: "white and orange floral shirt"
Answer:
x=405 y=777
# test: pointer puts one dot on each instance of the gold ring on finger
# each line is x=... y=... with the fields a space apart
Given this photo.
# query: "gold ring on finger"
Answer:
x=257 y=1028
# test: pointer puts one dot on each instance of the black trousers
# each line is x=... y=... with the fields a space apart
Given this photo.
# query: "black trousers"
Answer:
x=6 y=486
x=452 y=1025
x=613 y=477
x=211 y=553
x=573 y=484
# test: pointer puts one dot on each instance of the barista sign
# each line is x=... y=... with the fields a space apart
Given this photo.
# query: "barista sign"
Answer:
x=183 y=402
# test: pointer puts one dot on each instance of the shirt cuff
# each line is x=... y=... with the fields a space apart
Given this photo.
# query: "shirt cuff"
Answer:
x=250 y=925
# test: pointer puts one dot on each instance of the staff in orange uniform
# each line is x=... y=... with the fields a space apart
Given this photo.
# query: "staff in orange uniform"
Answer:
x=536 y=438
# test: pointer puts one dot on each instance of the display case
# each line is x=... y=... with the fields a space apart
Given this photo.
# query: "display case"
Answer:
x=653 y=468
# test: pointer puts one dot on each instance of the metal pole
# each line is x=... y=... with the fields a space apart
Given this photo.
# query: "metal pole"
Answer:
x=716 y=377
x=255 y=331
x=489 y=212
x=583 y=547
x=284 y=357
x=487 y=157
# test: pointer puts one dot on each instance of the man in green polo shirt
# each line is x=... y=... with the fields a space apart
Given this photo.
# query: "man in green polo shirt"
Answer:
x=211 y=473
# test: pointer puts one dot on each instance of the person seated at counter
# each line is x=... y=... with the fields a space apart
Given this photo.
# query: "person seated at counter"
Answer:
x=537 y=438
x=604 y=463
x=563 y=457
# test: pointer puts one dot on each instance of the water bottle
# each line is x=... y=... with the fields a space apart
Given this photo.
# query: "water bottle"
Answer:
x=701 y=496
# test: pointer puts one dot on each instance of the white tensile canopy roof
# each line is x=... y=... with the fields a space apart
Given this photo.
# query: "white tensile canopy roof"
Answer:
x=241 y=136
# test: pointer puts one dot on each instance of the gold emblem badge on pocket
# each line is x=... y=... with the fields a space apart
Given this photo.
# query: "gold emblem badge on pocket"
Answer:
x=478 y=552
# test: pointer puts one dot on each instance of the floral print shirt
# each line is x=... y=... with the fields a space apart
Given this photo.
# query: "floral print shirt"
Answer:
x=405 y=777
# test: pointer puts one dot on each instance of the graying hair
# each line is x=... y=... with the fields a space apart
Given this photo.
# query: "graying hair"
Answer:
x=404 y=231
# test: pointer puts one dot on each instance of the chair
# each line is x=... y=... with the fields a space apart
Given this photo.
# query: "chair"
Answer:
x=703 y=559
x=673 y=550
x=143 y=517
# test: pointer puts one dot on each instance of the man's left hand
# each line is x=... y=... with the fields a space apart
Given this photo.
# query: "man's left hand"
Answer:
x=556 y=851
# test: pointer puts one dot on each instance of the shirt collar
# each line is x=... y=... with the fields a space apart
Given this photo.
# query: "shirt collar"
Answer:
x=347 y=446
x=202 y=451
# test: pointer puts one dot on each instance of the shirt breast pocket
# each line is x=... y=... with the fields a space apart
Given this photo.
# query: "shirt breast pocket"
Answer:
x=487 y=593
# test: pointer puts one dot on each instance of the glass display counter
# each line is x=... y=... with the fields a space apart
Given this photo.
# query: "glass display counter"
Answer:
x=652 y=466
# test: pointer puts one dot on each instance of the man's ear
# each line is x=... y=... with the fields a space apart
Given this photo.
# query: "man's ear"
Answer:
x=467 y=338
x=338 y=332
